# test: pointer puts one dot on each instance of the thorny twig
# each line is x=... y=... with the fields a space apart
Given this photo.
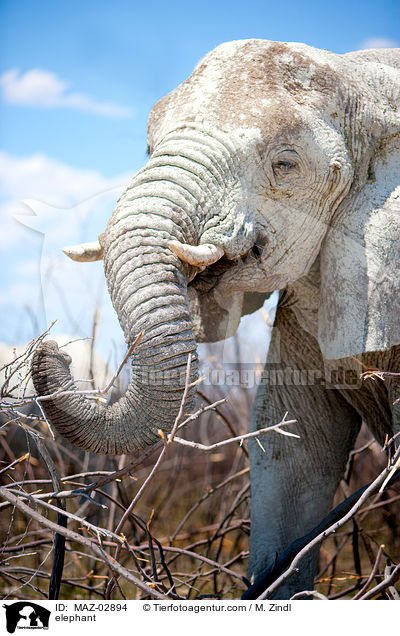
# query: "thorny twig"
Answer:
x=239 y=438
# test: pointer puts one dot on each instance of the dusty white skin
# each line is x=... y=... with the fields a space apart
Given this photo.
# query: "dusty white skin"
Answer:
x=285 y=159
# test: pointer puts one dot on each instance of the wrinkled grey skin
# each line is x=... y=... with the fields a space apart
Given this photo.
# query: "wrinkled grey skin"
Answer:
x=287 y=158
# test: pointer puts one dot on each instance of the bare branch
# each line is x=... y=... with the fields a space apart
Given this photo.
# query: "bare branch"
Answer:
x=74 y=536
x=239 y=438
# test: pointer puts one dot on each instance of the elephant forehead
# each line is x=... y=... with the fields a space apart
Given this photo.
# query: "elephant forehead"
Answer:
x=253 y=83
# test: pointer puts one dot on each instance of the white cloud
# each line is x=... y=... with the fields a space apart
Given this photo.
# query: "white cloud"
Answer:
x=379 y=43
x=69 y=206
x=44 y=178
x=49 y=186
x=44 y=89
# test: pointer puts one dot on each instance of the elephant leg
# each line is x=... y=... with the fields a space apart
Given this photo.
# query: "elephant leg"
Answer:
x=394 y=397
x=293 y=482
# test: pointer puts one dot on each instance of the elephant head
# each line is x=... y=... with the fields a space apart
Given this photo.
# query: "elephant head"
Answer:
x=268 y=156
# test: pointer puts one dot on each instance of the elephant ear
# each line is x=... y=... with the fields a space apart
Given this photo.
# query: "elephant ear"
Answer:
x=360 y=258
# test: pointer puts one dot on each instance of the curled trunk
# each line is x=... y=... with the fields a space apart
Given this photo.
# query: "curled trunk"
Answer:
x=148 y=290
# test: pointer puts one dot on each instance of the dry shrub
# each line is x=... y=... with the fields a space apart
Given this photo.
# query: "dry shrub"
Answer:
x=187 y=534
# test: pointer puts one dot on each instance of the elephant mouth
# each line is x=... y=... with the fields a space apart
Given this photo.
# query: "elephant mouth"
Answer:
x=205 y=281
x=215 y=311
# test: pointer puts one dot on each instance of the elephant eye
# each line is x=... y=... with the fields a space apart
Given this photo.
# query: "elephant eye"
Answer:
x=285 y=166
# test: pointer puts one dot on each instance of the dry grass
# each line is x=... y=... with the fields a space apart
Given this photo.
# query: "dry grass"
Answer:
x=186 y=536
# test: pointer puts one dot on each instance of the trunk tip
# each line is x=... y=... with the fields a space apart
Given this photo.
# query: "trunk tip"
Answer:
x=50 y=348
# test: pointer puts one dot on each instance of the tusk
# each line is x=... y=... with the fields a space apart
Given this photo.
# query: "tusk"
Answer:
x=197 y=255
x=85 y=252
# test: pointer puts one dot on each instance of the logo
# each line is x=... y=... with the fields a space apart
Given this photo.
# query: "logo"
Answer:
x=26 y=615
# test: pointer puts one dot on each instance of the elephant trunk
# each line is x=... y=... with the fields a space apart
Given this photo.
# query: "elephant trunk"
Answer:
x=147 y=284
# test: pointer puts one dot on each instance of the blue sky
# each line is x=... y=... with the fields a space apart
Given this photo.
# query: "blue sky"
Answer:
x=77 y=81
x=132 y=53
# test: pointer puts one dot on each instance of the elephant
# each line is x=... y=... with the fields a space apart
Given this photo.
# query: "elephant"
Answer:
x=273 y=167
